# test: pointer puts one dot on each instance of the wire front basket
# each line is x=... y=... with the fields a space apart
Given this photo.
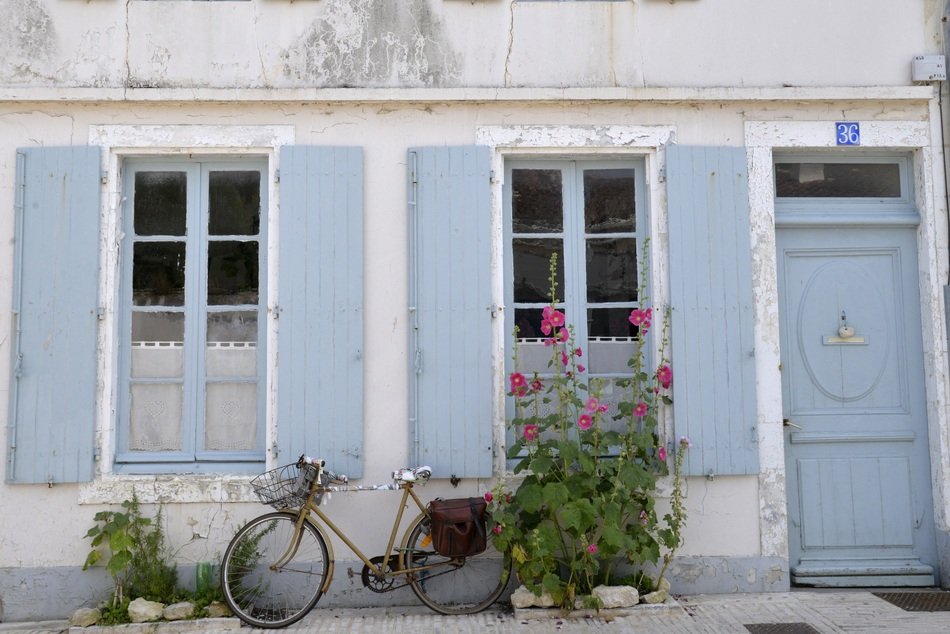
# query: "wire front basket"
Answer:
x=285 y=487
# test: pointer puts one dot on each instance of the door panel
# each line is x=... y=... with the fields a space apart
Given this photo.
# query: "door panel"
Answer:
x=860 y=504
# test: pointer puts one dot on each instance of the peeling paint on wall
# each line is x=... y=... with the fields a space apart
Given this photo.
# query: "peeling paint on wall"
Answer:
x=368 y=43
x=27 y=40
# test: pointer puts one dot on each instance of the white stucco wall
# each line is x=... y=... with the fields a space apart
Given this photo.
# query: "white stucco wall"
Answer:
x=450 y=43
x=740 y=517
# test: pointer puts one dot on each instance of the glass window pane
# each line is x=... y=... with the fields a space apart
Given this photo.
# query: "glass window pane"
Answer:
x=536 y=201
x=609 y=201
x=157 y=344
x=612 y=270
x=158 y=274
x=532 y=269
x=232 y=273
x=231 y=417
x=837 y=180
x=155 y=423
x=611 y=340
x=234 y=203
x=232 y=347
x=160 y=203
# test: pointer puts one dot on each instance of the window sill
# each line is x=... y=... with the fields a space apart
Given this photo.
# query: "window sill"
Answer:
x=166 y=489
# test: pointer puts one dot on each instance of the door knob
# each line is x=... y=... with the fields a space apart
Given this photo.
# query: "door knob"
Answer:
x=788 y=423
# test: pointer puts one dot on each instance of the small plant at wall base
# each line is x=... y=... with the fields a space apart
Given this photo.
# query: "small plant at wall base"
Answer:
x=587 y=500
x=132 y=548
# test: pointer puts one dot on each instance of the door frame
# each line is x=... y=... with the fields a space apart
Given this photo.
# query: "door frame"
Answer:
x=915 y=138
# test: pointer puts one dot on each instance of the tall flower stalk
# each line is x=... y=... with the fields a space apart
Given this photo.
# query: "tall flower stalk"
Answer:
x=586 y=502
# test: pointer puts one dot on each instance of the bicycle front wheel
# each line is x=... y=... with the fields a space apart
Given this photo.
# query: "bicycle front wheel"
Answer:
x=262 y=593
x=453 y=586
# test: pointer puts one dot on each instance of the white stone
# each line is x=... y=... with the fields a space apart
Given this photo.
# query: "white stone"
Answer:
x=656 y=597
x=218 y=609
x=84 y=617
x=524 y=598
x=664 y=585
x=617 y=596
x=179 y=611
x=143 y=610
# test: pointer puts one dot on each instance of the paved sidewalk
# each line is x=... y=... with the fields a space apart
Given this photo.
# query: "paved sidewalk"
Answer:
x=856 y=612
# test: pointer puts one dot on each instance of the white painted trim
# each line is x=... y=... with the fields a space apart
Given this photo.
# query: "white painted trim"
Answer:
x=527 y=141
x=119 y=142
x=922 y=139
x=480 y=94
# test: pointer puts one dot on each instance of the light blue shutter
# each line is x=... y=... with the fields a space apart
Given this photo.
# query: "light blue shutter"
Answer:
x=450 y=371
x=711 y=296
x=320 y=315
x=55 y=291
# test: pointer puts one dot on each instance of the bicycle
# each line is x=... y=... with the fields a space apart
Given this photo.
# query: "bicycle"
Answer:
x=279 y=564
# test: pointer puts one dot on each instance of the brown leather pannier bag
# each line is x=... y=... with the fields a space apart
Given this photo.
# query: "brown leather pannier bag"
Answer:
x=458 y=526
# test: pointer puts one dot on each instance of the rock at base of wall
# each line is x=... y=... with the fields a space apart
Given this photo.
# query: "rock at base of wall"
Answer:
x=524 y=598
x=84 y=617
x=143 y=611
x=217 y=610
x=617 y=596
x=179 y=611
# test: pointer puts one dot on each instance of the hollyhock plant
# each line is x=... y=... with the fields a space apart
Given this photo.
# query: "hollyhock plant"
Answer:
x=588 y=451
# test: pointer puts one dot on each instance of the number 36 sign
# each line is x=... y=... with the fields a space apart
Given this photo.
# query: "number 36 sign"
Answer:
x=848 y=133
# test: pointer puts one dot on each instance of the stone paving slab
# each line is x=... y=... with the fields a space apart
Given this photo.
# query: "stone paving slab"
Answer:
x=848 y=612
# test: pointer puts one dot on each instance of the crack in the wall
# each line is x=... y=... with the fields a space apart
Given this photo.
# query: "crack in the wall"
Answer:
x=511 y=42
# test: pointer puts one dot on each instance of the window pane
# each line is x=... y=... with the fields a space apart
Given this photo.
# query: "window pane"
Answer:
x=609 y=201
x=157 y=344
x=234 y=203
x=232 y=273
x=231 y=417
x=612 y=270
x=611 y=340
x=536 y=201
x=155 y=423
x=837 y=180
x=158 y=274
x=532 y=268
x=232 y=347
x=160 y=203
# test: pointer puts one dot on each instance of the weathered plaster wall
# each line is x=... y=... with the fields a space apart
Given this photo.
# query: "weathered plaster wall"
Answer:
x=736 y=535
x=444 y=43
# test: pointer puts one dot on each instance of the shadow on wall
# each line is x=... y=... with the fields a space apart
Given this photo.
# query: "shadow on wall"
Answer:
x=368 y=43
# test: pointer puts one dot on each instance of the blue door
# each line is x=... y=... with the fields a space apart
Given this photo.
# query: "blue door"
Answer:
x=857 y=457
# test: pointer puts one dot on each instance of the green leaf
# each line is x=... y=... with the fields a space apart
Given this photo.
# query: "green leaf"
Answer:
x=119 y=562
x=121 y=542
x=528 y=497
x=551 y=582
x=555 y=494
x=92 y=559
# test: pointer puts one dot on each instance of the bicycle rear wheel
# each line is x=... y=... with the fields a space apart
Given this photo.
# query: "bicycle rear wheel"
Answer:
x=453 y=586
x=264 y=596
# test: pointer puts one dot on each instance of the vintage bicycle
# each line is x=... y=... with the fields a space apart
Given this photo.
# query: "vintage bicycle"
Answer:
x=278 y=565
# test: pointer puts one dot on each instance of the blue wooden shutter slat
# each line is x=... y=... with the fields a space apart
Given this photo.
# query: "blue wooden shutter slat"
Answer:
x=450 y=289
x=711 y=296
x=55 y=305
x=320 y=323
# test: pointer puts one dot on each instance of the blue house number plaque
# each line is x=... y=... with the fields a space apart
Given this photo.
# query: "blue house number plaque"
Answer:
x=848 y=133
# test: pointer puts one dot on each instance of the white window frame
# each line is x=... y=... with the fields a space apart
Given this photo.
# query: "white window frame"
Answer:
x=119 y=142
x=574 y=141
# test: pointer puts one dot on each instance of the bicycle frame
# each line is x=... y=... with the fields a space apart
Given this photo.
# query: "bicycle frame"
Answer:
x=303 y=515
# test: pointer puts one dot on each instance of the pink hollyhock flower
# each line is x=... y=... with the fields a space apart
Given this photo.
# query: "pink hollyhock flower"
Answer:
x=546 y=312
x=536 y=385
x=580 y=368
x=644 y=327
x=585 y=421
x=521 y=392
x=556 y=318
x=488 y=496
x=665 y=376
x=563 y=335
x=644 y=518
x=564 y=358
x=546 y=326
x=637 y=317
x=603 y=407
x=578 y=352
x=649 y=312
x=640 y=409
x=517 y=380
x=531 y=432
x=549 y=341
x=592 y=549
x=497 y=529
x=662 y=454
x=592 y=405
